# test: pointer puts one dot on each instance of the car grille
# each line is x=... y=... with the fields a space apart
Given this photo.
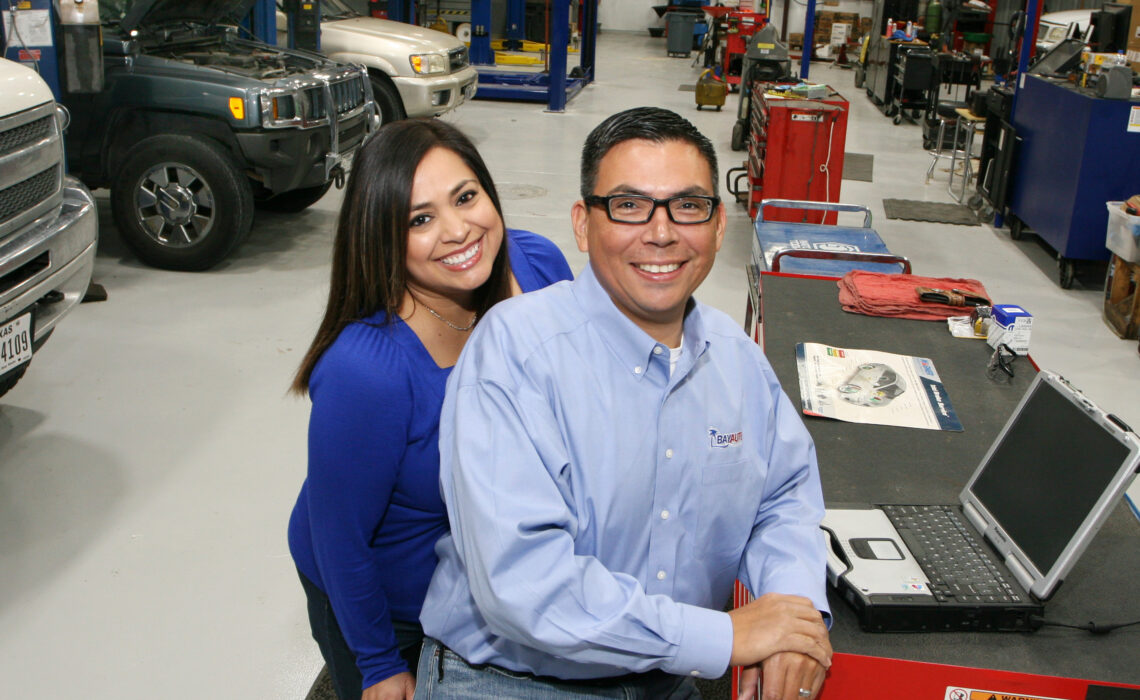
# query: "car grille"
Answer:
x=26 y=194
x=351 y=133
x=347 y=95
x=24 y=135
x=457 y=58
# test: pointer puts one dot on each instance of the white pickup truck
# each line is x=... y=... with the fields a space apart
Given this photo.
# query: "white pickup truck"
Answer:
x=415 y=71
x=48 y=222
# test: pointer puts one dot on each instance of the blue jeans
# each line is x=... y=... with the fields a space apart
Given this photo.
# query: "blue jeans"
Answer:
x=343 y=672
x=444 y=675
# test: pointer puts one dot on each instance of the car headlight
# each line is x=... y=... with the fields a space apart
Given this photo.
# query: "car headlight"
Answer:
x=62 y=117
x=280 y=107
x=429 y=63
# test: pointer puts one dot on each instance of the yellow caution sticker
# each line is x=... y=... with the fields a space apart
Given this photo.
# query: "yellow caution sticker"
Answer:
x=953 y=693
x=761 y=45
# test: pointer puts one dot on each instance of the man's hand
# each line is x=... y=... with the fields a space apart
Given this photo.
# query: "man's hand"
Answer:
x=783 y=675
x=401 y=686
x=774 y=623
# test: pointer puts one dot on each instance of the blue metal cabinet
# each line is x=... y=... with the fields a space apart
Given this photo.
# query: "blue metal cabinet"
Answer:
x=1076 y=154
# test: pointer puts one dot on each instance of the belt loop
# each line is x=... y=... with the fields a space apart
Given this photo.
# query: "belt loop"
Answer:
x=439 y=661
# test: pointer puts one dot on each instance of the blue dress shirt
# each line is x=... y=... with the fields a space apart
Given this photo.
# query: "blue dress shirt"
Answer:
x=600 y=507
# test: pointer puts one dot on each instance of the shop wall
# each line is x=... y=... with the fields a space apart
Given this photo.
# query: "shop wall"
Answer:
x=637 y=15
x=628 y=15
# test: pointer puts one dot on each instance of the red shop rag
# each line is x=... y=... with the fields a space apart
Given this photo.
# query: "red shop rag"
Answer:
x=894 y=295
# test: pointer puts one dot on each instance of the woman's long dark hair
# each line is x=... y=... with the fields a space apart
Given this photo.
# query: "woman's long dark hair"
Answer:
x=369 y=268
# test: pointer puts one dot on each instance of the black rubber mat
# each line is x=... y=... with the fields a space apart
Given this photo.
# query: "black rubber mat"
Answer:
x=858 y=166
x=934 y=212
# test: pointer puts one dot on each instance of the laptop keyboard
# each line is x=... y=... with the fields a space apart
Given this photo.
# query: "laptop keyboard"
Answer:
x=958 y=566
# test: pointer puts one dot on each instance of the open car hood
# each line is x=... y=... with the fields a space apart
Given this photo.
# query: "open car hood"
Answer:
x=138 y=14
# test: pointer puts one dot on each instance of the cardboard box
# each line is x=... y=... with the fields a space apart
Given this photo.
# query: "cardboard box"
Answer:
x=839 y=34
x=972 y=47
x=1123 y=237
x=1134 y=41
x=1010 y=324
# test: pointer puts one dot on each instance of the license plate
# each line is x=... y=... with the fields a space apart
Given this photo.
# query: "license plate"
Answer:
x=15 y=342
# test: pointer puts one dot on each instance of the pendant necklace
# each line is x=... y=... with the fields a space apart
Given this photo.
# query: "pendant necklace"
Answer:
x=452 y=326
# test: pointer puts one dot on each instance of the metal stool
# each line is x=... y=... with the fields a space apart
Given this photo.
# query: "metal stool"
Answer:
x=968 y=125
x=938 y=153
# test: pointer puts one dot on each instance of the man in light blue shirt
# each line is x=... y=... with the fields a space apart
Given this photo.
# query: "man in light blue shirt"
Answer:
x=614 y=454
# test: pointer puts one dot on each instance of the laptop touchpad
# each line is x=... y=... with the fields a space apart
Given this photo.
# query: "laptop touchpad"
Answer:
x=876 y=548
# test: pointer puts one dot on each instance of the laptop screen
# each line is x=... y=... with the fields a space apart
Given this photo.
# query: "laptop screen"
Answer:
x=1047 y=472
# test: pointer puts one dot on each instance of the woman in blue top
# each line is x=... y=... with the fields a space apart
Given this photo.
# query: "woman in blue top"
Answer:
x=420 y=254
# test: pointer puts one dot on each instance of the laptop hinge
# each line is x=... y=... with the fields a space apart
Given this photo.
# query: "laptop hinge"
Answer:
x=975 y=517
x=1019 y=572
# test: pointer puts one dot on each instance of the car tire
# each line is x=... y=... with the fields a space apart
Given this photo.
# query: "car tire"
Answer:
x=738 y=136
x=295 y=200
x=388 y=101
x=181 y=202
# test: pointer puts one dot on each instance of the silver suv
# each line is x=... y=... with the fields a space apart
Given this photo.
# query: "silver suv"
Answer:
x=48 y=222
x=415 y=71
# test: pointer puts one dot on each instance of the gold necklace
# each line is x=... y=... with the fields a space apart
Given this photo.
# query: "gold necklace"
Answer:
x=452 y=326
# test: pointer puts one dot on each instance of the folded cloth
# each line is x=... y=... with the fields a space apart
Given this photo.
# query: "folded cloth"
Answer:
x=879 y=294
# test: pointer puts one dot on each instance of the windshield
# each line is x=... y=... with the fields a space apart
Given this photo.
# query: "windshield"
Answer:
x=337 y=9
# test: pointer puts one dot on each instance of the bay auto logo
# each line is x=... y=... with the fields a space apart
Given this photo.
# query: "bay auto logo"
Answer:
x=719 y=439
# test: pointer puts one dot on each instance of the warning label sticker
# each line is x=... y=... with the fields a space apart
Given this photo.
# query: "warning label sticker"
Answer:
x=953 y=693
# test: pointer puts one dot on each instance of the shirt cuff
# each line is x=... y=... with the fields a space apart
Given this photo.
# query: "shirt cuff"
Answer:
x=706 y=644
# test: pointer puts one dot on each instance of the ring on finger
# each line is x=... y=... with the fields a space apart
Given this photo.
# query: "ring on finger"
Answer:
x=805 y=693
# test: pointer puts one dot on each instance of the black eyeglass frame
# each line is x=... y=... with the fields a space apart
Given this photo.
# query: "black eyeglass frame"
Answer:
x=599 y=200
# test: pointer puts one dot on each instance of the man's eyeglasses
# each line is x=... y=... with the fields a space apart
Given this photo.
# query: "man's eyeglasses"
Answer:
x=639 y=209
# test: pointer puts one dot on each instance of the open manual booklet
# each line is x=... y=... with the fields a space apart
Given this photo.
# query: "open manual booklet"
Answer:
x=868 y=386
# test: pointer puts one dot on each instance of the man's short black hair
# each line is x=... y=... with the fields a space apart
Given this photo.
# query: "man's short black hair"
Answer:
x=648 y=123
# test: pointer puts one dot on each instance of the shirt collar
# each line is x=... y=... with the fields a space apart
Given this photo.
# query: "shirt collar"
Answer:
x=632 y=346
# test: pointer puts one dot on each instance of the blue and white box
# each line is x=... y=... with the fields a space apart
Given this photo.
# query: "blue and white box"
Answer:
x=1010 y=324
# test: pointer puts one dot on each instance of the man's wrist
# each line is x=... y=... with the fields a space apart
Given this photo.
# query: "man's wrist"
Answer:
x=706 y=643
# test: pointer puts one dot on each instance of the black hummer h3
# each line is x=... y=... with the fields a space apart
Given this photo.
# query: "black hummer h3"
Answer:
x=195 y=126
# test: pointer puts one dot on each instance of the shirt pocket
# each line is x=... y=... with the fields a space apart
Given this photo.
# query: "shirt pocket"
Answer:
x=729 y=499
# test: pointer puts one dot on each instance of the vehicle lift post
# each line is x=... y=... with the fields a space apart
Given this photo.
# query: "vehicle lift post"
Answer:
x=554 y=87
x=516 y=24
x=262 y=22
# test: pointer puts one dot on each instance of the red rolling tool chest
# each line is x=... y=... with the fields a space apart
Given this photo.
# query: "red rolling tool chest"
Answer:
x=795 y=151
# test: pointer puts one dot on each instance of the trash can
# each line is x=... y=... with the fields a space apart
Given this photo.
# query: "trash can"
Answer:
x=679 y=32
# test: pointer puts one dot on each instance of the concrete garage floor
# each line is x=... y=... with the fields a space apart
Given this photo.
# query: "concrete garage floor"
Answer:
x=151 y=456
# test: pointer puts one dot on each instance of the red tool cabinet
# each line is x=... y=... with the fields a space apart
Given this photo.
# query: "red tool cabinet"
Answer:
x=795 y=151
x=739 y=28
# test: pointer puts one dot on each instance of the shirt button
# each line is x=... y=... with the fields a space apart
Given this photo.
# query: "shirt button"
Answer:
x=694 y=673
x=660 y=575
x=657 y=350
x=665 y=515
x=669 y=453
x=637 y=370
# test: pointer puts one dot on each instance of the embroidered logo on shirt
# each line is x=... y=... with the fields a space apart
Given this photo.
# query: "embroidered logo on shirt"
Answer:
x=719 y=439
